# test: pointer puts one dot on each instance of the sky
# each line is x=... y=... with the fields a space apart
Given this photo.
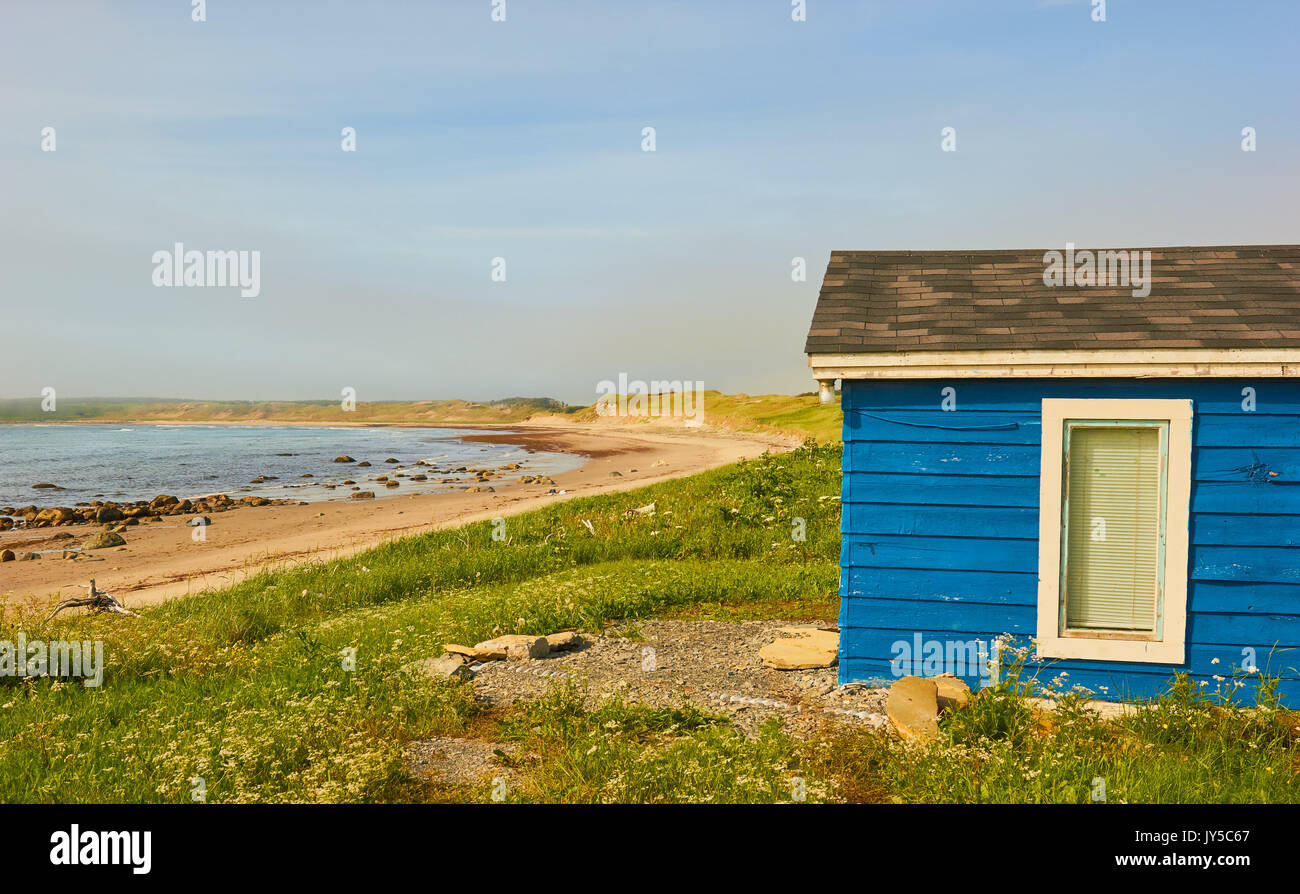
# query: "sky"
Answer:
x=522 y=139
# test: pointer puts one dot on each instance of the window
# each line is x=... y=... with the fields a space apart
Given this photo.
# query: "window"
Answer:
x=1113 y=518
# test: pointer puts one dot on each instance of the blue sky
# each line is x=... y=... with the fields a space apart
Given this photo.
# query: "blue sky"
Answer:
x=522 y=139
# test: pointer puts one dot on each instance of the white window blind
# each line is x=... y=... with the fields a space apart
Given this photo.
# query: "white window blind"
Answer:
x=1114 y=477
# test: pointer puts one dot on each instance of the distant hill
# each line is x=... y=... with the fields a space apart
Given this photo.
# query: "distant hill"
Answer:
x=776 y=413
x=109 y=409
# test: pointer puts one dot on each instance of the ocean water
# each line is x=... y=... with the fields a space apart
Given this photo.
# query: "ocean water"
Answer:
x=139 y=462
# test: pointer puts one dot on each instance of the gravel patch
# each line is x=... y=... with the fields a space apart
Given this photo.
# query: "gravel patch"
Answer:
x=713 y=665
x=458 y=761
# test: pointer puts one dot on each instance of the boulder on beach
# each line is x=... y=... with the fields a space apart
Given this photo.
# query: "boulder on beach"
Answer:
x=59 y=515
x=391 y=460
x=7 y=556
x=45 y=485
x=103 y=540
x=363 y=464
x=362 y=495
x=108 y=513
x=344 y=459
x=200 y=522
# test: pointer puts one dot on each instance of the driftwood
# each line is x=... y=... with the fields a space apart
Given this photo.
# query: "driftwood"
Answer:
x=98 y=601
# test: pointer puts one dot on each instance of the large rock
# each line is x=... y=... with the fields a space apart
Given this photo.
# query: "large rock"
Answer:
x=951 y=692
x=445 y=666
x=564 y=641
x=108 y=513
x=103 y=540
x=473 y=653
x=802 y=648
x=518 y=646
x=7 y=556
x=59 y=515
x=344 y=459
x=913 y=707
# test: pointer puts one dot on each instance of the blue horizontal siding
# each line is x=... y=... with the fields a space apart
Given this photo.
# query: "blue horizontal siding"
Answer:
x=940 y=521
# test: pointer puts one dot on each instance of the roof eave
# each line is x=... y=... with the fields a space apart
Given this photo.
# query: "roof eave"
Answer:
x=1095 y=364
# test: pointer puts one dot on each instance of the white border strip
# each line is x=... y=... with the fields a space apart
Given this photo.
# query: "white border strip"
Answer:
x=1156 y=363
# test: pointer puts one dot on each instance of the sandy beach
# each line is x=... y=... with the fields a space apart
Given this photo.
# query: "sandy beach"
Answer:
x=162 y=561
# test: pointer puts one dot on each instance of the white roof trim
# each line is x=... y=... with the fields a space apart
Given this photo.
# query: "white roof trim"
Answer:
x=1152 y=363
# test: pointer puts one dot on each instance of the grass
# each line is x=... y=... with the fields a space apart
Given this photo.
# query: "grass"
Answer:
x=1185 y=746
x=291 y=685
x=294 y=685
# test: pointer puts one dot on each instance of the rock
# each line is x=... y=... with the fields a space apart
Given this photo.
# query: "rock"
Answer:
x=344 y=459
x=255 y=501
x=29 y=557
x=7 y=556
x=109 y=514
x=201 y=522
x=615 y=474
x=473 y=653
x=45 y=485
x=517 y=646
x=103 y=540
x=392 y=484
x=913 y=707
x=390 y=460
x=805 y=647
x=363 y=465
x=564 y=641
x=59 y=515
x=451 y=666
x=362 y=495
x=951 y=692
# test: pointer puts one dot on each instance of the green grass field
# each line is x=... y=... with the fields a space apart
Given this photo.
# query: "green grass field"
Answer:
x=250 y=689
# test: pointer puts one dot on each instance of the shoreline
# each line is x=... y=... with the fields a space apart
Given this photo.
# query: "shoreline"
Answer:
x=161 y=560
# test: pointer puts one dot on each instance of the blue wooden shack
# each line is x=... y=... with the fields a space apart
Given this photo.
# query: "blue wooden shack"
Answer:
x=1093 y=453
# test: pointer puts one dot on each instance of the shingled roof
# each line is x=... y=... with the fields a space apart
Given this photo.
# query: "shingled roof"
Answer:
x=1223 y=296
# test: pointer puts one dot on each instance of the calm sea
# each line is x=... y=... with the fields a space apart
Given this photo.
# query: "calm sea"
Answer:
x=139 y=462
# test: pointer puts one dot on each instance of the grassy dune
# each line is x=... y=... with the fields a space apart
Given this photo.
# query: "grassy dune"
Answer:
x=514 y=409
x=777 y=413
x=251 y=690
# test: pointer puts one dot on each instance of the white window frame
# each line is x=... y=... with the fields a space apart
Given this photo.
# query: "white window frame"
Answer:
x=1171 y=647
